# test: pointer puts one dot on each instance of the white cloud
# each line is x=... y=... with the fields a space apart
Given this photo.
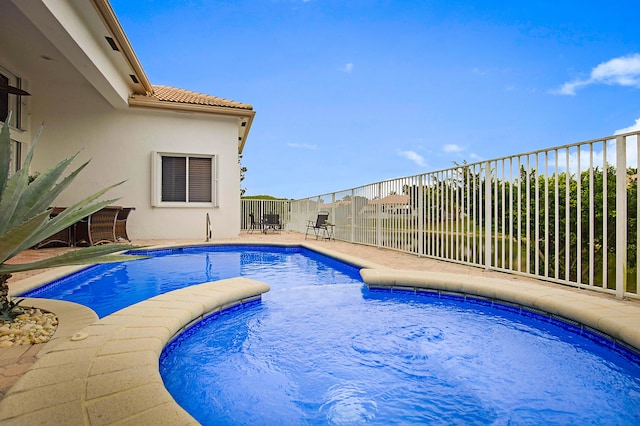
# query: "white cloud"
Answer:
x=348 y=68
x=569 y=88
x=597 y=155
x=632 y=143
x=450 y=147
x=634 y=128
x=475 y=157
x=413 y=156
x=621 y=71
x=303 y=146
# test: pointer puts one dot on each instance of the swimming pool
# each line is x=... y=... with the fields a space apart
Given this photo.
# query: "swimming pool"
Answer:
x=343 y=354
x=391 y=338
x=110 y=287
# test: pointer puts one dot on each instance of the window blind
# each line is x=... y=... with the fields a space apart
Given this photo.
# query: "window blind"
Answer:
x=199 y=180
x=174 y=178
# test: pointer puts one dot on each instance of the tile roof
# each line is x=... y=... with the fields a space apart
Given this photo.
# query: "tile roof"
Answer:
x=182 y=96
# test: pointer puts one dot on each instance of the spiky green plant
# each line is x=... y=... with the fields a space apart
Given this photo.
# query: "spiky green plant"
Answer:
x=25 y=217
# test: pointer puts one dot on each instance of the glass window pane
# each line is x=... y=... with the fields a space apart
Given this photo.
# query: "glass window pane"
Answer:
x=199 y=180
x=174 y=179
x=16 y=155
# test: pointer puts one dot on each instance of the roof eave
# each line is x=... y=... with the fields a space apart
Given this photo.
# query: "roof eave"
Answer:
x=111 y=21
x=244 y=135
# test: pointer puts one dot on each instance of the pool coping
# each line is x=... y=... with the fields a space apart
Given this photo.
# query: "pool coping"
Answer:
x=106 y=371
x=605 y=315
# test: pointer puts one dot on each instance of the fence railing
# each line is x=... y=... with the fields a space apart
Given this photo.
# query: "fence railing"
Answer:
x=260 y=208
x=568 y=214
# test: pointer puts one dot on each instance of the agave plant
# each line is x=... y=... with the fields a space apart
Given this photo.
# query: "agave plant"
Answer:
x=25 y=218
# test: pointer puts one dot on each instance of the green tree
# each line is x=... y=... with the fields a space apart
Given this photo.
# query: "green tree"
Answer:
x=243 y=171
x=25 y=218
x=558 y=243
x=561 y=197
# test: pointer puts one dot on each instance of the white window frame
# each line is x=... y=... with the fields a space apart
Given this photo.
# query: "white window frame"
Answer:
x=156 y=180
x=16 y=103
x=16 y=156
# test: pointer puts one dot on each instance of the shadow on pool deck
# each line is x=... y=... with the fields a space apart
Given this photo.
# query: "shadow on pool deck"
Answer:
x=395 y=268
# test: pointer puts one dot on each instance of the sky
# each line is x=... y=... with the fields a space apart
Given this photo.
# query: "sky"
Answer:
x=352 y=92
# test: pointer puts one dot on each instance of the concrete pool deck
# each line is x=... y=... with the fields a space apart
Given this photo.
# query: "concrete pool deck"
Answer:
x=106 y=371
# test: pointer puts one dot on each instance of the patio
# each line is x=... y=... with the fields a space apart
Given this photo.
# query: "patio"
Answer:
x=90 y=376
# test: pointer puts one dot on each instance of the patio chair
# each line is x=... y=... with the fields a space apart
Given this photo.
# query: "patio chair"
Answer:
x=98 y=228
x=271 y=221
x=60 y=238
x=253 y=225
x=121 y=223
x=319 y=227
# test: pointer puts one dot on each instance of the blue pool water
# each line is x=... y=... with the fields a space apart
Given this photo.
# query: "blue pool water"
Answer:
x=321 y=348
x=110 y=287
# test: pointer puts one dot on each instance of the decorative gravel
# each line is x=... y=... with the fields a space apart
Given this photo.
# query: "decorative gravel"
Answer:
x=31 y=327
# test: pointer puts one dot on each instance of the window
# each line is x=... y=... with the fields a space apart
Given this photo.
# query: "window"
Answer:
x=10 y=103
x=184 y=180
x=16 y=156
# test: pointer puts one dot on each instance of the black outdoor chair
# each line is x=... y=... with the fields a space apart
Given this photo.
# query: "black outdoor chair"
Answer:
x=253 y=225
x=271 y=221
x=319 y=227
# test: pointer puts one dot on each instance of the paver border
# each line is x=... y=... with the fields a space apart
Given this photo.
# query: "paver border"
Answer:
x=108 y=371
x=617 y=320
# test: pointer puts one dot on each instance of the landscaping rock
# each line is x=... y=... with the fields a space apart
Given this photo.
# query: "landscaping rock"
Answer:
x=32 y=327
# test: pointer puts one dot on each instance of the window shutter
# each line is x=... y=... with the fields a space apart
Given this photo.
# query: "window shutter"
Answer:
x=199 y=180
x=174 y=179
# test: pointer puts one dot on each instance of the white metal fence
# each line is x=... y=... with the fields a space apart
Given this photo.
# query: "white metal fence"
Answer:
x=567 y=214
x=260 y=208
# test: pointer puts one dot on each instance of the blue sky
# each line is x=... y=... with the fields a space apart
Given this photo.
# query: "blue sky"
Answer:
x=348 y=93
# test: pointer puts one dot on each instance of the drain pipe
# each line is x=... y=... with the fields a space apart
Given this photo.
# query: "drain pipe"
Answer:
x=207 y=228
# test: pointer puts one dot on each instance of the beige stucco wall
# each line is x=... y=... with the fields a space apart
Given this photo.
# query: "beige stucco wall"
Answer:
x=120 y=144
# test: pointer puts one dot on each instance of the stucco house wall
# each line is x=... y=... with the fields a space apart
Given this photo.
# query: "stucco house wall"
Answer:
x=98 y=102
x=120 y=145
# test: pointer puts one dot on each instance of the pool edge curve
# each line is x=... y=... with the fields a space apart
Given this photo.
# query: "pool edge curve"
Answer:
x=108 y=371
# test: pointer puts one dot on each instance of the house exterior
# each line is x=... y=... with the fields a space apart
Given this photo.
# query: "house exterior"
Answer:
x=392 y=204
x=177 y=150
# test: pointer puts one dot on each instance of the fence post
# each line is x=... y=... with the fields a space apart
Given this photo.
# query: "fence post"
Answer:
x=421 y=216
x=377 y=216
x=487 y=216
x=333 y=213
x=621 y=216
x=353 y=215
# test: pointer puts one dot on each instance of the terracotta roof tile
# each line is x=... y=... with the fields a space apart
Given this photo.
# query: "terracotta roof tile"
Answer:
x=172 y=94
